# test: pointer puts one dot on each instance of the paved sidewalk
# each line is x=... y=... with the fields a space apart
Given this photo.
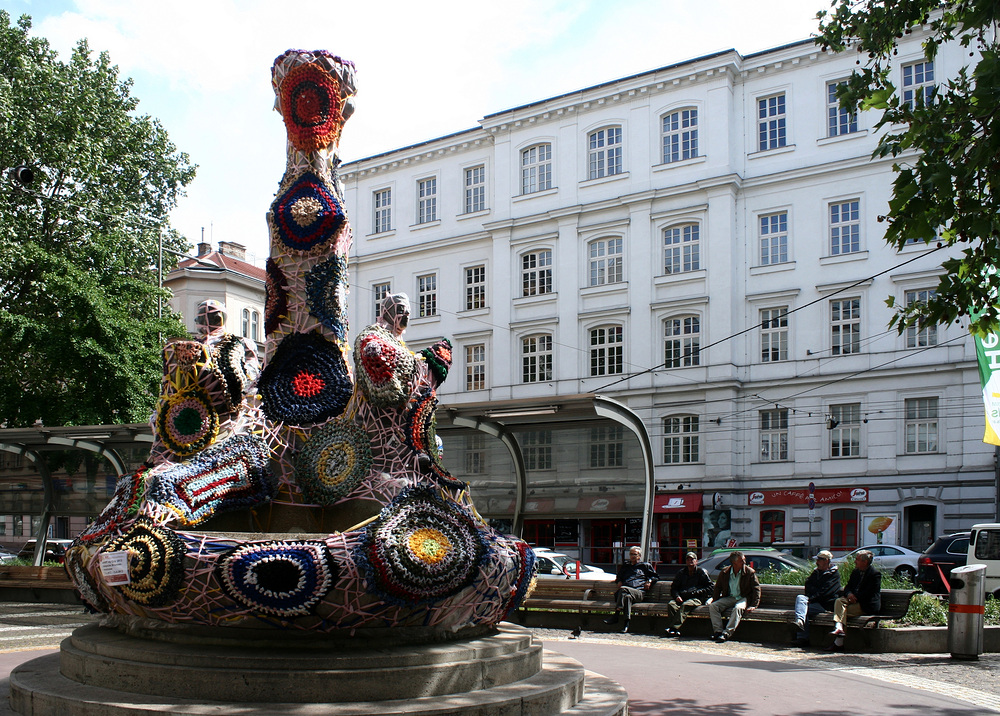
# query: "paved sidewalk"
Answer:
x=699 y=677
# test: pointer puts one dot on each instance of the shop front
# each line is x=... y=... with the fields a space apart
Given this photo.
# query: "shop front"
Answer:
x=678 y=527
x=838 y=517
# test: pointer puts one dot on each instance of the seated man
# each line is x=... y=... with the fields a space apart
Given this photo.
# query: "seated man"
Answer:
x=862 y=595
x=822 y=588
x=737 y=591
x=633 y=579
x=691 y=588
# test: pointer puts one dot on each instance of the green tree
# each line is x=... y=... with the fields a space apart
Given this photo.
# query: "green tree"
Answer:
x=79 y=328
x=949 y=192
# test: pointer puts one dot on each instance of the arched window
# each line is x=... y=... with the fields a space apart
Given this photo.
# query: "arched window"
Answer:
x=681 y=248
x=844 y=528
x=606 y=350
x=536 y=273
x=682 y=341
x=606 y=260
x=536 y=168
x=536 y=358
x=246 y=322
x=772 y=526
x=605 y=152
x=681 y=444
x=680 y=135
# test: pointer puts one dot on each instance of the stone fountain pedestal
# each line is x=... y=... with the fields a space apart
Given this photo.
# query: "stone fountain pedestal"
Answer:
x=138 y=669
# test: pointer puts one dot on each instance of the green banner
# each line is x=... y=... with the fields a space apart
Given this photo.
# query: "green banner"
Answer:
x=988 y=356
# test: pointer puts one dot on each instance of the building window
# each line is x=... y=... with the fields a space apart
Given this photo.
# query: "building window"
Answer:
x=475 y=367
x=379 y=292
x=254 y=325
x=246 y=323
x=382 y=202
x=475 y=454
x=920 y=336
x=844 y=528
x=427 y=200
x=475 y=189
x=536 y=169
x=537 y=448
x=845 y=326
x=921 y=425
x=839 y=120
x=536 y=273
x=606 y=261
x=475 y=288
x=680 y=135
x=682 y=342
x=771 y=122
x=605 y=152
x=680 y=439
x=774 y=239
x=606 y=351
x=681 y=249
x=607 y=446
x=773 y=334
x=427 y=295
x=918 y=83
x=772 y=526
x=845 y=227
x=774 y=435
x=845 y=430
x=536 y=359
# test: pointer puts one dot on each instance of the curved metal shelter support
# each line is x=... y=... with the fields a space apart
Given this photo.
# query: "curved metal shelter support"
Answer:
x=500 y=433
x=47 y=496
x=109 y=454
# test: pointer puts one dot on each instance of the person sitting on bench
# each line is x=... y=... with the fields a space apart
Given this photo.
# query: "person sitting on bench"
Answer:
x=633 y=579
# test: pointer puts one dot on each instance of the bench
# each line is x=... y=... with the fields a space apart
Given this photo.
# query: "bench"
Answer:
x=777 y=602
x=38 y=584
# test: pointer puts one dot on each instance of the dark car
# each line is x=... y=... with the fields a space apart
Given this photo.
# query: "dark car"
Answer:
x=937 y=561
x=55 y=550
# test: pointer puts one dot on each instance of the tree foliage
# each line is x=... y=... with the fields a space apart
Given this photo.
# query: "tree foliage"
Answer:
x=79 y=328
x=948 y=171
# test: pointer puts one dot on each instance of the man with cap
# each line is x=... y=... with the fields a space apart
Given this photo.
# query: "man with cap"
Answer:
x=690 y=588
x=822 y=588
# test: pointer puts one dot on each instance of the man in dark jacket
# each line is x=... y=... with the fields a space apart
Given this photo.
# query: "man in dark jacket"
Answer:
x=862 y=595
x=822 y=588
x=737 y=591
x=633 y=579
x=690 y=588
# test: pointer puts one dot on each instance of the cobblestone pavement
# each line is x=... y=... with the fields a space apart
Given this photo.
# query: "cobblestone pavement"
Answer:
x=976 y=682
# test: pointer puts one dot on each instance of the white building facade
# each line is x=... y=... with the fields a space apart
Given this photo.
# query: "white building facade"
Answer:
x=700 y=243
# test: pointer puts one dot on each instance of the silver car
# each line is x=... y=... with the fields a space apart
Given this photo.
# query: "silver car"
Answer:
x=560 y=566
x=760 y=559
x=889 y=558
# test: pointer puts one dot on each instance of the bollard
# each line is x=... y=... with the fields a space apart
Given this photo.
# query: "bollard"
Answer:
x=966 y=611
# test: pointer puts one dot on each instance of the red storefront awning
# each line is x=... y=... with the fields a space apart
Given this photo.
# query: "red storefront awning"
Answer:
x=679 y=502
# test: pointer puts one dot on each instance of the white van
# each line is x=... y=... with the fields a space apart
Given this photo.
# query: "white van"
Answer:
x=984 y=548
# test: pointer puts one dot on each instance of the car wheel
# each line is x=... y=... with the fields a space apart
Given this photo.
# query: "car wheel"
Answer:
x=906 y=572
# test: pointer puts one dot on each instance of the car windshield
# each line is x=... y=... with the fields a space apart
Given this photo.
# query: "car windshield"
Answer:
x=562 y=560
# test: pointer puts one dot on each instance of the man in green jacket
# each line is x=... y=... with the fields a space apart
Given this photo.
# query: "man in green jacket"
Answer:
x=737 y=592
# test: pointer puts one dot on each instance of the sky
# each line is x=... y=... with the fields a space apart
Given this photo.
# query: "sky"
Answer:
x=424 y=70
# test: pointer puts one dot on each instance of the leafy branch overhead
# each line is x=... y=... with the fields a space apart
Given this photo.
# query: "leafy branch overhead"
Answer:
x=947 y=141
x=79 y=326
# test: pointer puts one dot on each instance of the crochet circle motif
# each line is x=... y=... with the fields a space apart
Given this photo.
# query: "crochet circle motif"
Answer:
x=385 y=367
x=323 y=396
x=334 y=461
x=311 y=107
x=307 y=214
x=326 y=287
x=155 y=562
x=186 y=421
x=285 y=579
x=124 y=503
x=307 y=384
x=421 y=549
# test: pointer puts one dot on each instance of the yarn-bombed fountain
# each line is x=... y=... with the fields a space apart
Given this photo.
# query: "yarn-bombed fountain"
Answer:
x=294 y=543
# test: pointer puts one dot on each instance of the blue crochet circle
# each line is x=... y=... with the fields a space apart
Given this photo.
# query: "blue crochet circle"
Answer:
x=307 y=214
x=285 y=579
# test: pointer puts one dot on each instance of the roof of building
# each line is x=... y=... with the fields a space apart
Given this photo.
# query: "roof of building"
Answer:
x=224 y=262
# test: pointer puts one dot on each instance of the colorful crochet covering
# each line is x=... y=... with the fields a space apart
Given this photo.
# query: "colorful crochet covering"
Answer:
x=302 y=438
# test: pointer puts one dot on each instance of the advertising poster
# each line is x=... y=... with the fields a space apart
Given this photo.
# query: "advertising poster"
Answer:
x=717 y=532
x=879 y=529
x=988 y=356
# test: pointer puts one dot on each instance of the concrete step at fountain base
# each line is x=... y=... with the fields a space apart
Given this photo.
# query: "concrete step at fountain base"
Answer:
x=103 y=671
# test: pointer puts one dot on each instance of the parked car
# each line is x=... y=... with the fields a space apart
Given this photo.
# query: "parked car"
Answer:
x=55 y=550
x=946 y=553
x=760 y=559
x=889 y=558
x=560 y=566
x=984 y=549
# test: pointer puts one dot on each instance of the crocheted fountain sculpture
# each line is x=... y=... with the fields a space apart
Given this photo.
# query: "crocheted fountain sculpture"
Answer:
x=353 y=522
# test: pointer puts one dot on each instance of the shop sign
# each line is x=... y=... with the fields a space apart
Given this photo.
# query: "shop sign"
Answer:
x=822 y=496
x=614 y=503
